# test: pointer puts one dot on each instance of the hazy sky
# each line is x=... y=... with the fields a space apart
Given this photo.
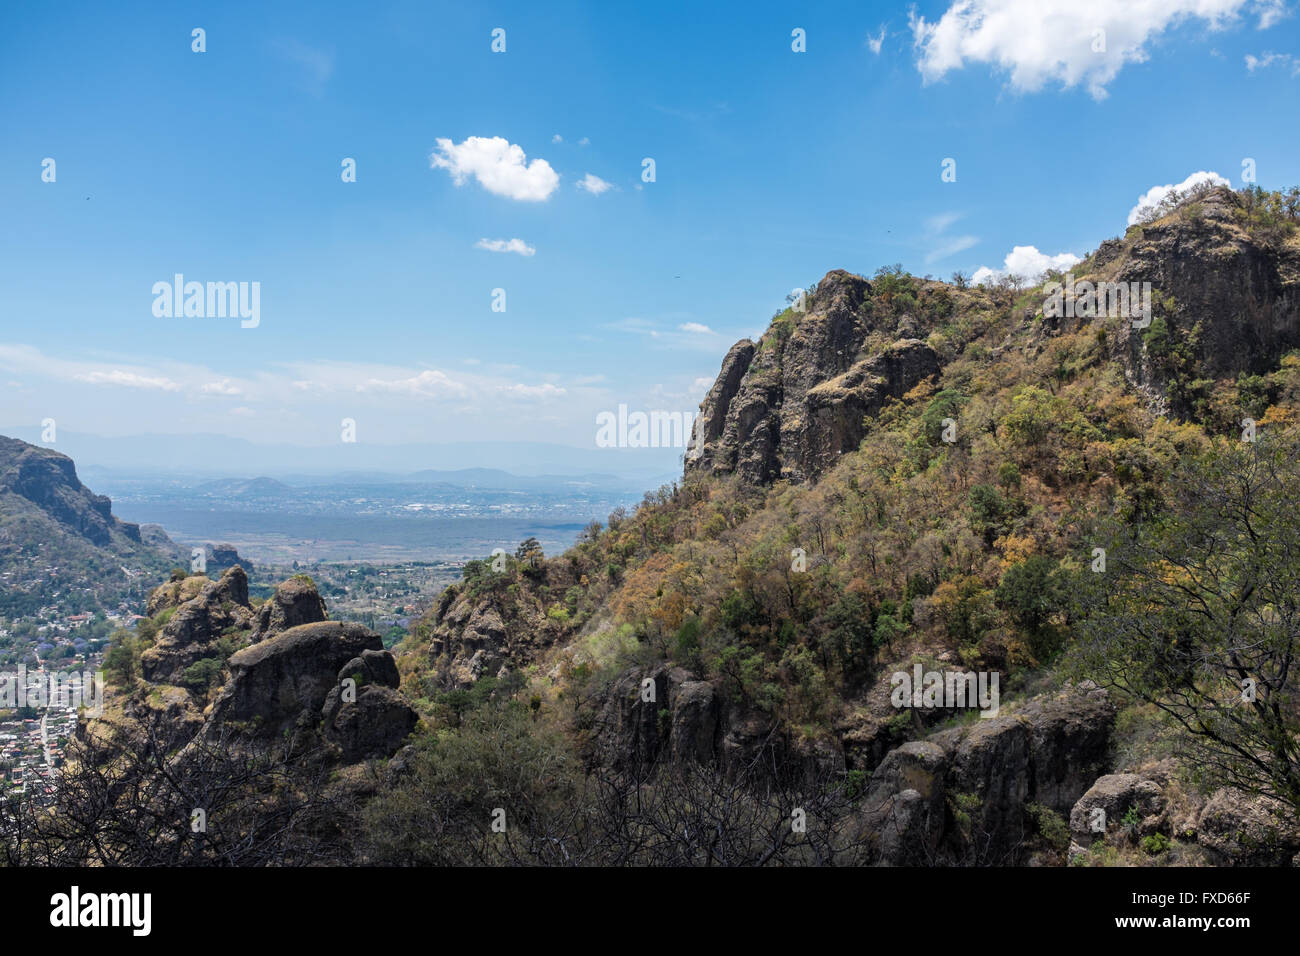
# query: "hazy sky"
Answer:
x=523 y=171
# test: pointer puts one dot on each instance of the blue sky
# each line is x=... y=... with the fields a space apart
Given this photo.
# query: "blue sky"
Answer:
x=772 y=167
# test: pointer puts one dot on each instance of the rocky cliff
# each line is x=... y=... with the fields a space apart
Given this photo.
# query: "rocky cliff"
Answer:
x=790 y=405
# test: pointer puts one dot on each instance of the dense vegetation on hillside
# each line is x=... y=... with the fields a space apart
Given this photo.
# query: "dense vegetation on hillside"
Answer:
x=798 y=599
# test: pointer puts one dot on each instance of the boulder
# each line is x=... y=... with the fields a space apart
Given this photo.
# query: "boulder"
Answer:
x=1237 y=829
x=295 y=602
x=1115 y=795
x=283 y=681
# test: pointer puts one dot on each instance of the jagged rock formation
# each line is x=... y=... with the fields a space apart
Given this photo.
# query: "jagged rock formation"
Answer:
x=789 y=406
x=475 y=633
x=219 y=610
x=222 y=556
x=1240 y=294
x=291 y=671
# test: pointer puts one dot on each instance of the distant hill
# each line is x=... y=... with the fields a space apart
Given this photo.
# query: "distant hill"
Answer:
x=246 y=488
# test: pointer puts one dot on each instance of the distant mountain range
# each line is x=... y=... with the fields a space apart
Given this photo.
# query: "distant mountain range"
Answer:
x=211 y=455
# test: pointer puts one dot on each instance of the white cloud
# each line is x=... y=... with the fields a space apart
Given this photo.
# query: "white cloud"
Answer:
x=950 y=248
x=593 y=184
x=430 y=383
x=702 y=384
x=935 y=227
x=1026 y=262
x=1155 y=194
x=500 y=167
x=584 y=142
x=557 y=138
x=1039 y=41
x=874 y=43
x=1254 y=63
x=546 y=390
x=223 y=387
x=128 y=380
x=1270 y=12
x=506 y=245
x=696 y=328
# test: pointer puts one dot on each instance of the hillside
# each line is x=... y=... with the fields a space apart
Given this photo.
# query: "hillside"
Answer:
x=917 y=472
x=58 y=537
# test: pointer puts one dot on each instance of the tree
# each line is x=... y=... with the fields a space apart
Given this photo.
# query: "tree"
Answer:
x=1032 y=593
x=1198 y=613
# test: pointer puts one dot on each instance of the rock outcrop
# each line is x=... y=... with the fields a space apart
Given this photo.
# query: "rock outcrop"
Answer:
x=666 y=713
x=222 y=556
x=274 y=682
x=1235 y=298
x=787 y=407
x=219 y=611
x=291 y=671
x=295 y=601
x=961 y=795
x=1236 y=829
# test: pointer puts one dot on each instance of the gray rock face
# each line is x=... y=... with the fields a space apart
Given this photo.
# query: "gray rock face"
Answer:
x=790 y=405
x=1048 y=751
x=686 y=719
x=1240 y=295
x=374 y=725
x=275 y=681
x=296 y=601
x=219 y=610
x=1240 y=830
x=905 y=802
x=377 y=722
x=1115 y=795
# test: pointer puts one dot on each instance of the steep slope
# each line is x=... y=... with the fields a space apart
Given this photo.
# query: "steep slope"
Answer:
x=907 y=473
x=56 y=534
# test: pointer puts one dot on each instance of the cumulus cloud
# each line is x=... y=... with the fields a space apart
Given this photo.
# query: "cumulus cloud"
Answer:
x=129 y=380
x=557 y=138
x=506 y=245
x=498 y=165
x=874 y=43
x=695 y=327
x=1026 y=262
x=593 y=184
x=430 y=383
x=1153 y=196
x=1036 y=42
